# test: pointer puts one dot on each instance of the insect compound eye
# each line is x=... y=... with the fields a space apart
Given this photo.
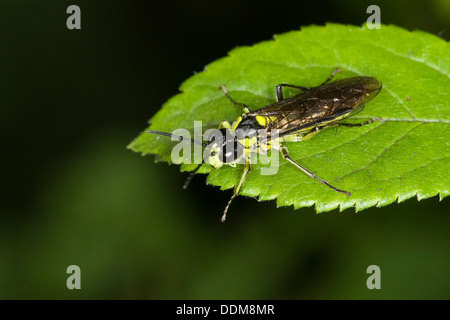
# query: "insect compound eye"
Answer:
x=231 y=151
x=218 y=136
x=223 y=143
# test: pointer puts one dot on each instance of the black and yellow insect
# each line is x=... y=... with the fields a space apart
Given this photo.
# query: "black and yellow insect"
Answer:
x=293 y=119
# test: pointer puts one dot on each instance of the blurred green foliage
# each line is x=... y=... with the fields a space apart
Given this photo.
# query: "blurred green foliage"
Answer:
x=72 y=194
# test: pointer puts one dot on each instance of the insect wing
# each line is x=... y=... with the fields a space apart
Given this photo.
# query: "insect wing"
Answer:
x=320 y=106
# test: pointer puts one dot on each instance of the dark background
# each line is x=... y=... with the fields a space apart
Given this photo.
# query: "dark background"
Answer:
x=71 y=193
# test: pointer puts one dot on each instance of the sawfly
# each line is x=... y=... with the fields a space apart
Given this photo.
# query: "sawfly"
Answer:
x=293 y=119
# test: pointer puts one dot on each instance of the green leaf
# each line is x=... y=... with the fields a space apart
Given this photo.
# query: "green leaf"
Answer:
x=406 y=156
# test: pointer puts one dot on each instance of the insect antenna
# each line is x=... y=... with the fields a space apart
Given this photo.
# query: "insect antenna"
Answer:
x=191 y=175
x=161 y=133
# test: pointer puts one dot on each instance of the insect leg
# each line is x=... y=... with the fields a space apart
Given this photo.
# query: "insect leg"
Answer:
x=225 y=124
x=336 y=70
x=279 y=89
x=360 y=124
x=285 y=155
x=246 y=108
x=191 y=175
x=238 y=187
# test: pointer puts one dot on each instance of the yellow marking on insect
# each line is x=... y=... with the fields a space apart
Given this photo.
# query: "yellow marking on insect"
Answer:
x=261 y=120
x=248 y=142
x=294 y=137
x=263 y=148
x=214 y=161
x=264 y=120
x=309 y=135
